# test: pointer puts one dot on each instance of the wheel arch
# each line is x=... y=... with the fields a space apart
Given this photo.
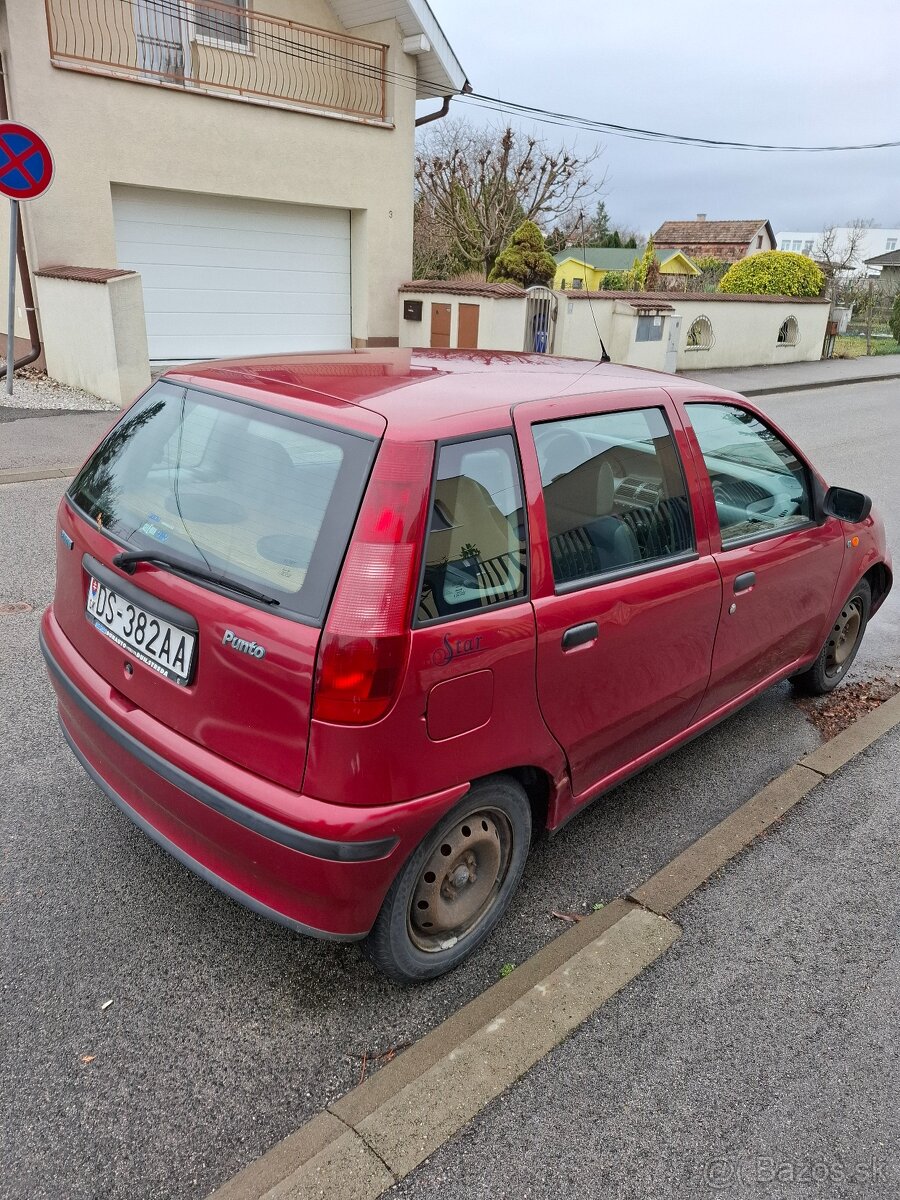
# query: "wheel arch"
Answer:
x=538 y=787
x=880 y=581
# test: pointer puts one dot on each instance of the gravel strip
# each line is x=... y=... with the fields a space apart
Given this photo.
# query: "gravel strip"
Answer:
x=35 y=389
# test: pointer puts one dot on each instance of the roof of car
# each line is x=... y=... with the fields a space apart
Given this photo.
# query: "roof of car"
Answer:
x=438 y=392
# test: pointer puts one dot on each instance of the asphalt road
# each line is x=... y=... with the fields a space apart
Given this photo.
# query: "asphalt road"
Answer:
x=225 y=1032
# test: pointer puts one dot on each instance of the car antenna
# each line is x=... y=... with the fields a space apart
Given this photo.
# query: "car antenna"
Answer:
x=604 y=357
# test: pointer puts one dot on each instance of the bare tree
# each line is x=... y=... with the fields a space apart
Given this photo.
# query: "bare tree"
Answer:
x=479 y=185
x=838 y=254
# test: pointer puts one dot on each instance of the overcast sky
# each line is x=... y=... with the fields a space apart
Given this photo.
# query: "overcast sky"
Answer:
x=800 y=71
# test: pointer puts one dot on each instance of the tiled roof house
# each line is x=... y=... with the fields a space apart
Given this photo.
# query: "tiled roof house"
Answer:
x=727 y=240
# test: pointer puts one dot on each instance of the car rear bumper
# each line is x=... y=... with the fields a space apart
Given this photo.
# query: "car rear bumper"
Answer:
x=319 y=868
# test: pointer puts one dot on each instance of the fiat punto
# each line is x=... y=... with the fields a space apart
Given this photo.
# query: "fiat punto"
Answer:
x=344 y=633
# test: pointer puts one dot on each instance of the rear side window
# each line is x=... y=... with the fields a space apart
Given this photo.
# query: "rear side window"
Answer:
x=476 y=548
x=254 y=496
x=759 y=484
x=614 y=493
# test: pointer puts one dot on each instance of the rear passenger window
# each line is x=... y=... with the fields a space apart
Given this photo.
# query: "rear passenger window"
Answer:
x=476 y=548
x=614 y=493
x=759 y=484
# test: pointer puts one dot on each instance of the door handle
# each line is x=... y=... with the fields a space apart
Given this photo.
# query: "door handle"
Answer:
x=745 y=581
x=578 y=635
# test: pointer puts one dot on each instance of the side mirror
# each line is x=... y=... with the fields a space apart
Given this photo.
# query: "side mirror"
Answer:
x=846 y=505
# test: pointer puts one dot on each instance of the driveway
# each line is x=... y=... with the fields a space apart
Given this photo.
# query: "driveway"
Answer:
x=224 y=1032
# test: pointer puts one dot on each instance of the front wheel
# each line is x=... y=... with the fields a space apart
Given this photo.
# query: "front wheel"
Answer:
x=456 y=885
x=843 y=641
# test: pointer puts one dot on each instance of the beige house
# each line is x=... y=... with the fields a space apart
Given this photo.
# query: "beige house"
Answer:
x=232 y=176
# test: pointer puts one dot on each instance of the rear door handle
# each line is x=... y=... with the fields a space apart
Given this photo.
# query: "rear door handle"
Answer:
x=742 y=582
x=578 y=635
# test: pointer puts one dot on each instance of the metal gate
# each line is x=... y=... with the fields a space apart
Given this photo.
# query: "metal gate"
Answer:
x=540 y=320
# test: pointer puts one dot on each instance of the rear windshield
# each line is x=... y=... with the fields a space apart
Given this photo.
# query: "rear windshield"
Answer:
x=257 y=497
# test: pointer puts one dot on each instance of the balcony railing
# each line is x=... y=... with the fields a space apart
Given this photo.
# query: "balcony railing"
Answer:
x=222 y=49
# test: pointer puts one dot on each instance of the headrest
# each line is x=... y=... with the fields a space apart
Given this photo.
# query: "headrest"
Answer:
x=606 y=490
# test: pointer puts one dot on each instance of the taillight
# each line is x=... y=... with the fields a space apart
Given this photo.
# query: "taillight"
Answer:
x=365 y=643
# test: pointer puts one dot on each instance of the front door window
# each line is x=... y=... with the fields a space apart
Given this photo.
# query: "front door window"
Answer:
x=759 y=484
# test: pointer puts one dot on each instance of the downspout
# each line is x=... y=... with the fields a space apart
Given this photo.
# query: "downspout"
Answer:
x=443 y=110
x=435 y=116
x=24 y=273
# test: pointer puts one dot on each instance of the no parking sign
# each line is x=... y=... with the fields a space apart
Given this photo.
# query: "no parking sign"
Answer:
x=26 y=171
x=26 y=165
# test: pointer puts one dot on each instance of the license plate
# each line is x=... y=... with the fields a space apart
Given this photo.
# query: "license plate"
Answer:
x=162 y=646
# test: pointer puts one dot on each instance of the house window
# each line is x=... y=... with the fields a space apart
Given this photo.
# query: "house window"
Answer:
x=577 y=283
x=759 y=241
x=649 y=329
x=223 y=22
x=891 y=244
x=796 y=247
x=700 y=335
x=789 y=333
x=807 y=249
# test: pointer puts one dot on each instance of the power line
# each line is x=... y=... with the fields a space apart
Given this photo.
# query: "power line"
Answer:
x=319 y=56
x=607 y=127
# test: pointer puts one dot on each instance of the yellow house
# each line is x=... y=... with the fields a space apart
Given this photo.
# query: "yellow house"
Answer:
x=577 y=268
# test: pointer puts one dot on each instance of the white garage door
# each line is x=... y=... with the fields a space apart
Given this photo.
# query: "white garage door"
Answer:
x=224 y=276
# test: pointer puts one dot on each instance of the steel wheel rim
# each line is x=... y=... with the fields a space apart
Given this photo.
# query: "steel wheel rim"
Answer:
x=843 y=638
x=456 y=890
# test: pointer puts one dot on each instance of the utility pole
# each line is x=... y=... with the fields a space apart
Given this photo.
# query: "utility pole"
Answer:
x=869 y=288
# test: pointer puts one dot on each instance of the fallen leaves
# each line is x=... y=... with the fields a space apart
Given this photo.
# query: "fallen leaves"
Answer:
x=368 y=1060
x=571 y=917
x=838 y=710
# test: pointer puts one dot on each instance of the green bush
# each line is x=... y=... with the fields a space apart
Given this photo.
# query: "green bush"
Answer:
x=615 y=281
x=894 y=318
x=773 y=273
x=525 y=259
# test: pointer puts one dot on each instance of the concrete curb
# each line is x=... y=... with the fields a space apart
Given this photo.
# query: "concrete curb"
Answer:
x=382 y=1130
x=691 y=869
x=812 y=387
x=373 y=1137
x=37 y=473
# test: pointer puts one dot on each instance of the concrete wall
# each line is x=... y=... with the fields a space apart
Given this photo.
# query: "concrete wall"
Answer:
x=745 y=329
x=501 y=322
x=103 y=131
x=94 y=335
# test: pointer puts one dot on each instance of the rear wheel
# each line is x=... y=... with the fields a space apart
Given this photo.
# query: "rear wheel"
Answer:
x=843 y=641
x=455 y=886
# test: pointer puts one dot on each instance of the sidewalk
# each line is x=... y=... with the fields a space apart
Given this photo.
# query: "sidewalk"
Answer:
x=46 y=444
x=797 y=377
x=757 y=1056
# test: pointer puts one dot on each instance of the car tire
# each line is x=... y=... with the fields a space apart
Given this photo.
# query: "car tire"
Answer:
x=837 y=654
x=455 y=886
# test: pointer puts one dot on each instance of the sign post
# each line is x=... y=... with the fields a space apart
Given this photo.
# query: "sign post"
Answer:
x=26 y=171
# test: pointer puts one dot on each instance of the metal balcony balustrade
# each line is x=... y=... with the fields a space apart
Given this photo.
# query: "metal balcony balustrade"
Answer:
x=222 y=49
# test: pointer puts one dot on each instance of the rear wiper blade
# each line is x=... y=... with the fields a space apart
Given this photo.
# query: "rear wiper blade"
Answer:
x=128 y=559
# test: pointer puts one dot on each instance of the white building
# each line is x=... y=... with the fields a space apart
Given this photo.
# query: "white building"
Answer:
x=871 y=243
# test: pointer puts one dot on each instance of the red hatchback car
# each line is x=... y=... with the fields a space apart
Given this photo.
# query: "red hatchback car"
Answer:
x=344 y=632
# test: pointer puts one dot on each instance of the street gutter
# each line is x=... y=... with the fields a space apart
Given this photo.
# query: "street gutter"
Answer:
x=822 y=383
x=364 y=1143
